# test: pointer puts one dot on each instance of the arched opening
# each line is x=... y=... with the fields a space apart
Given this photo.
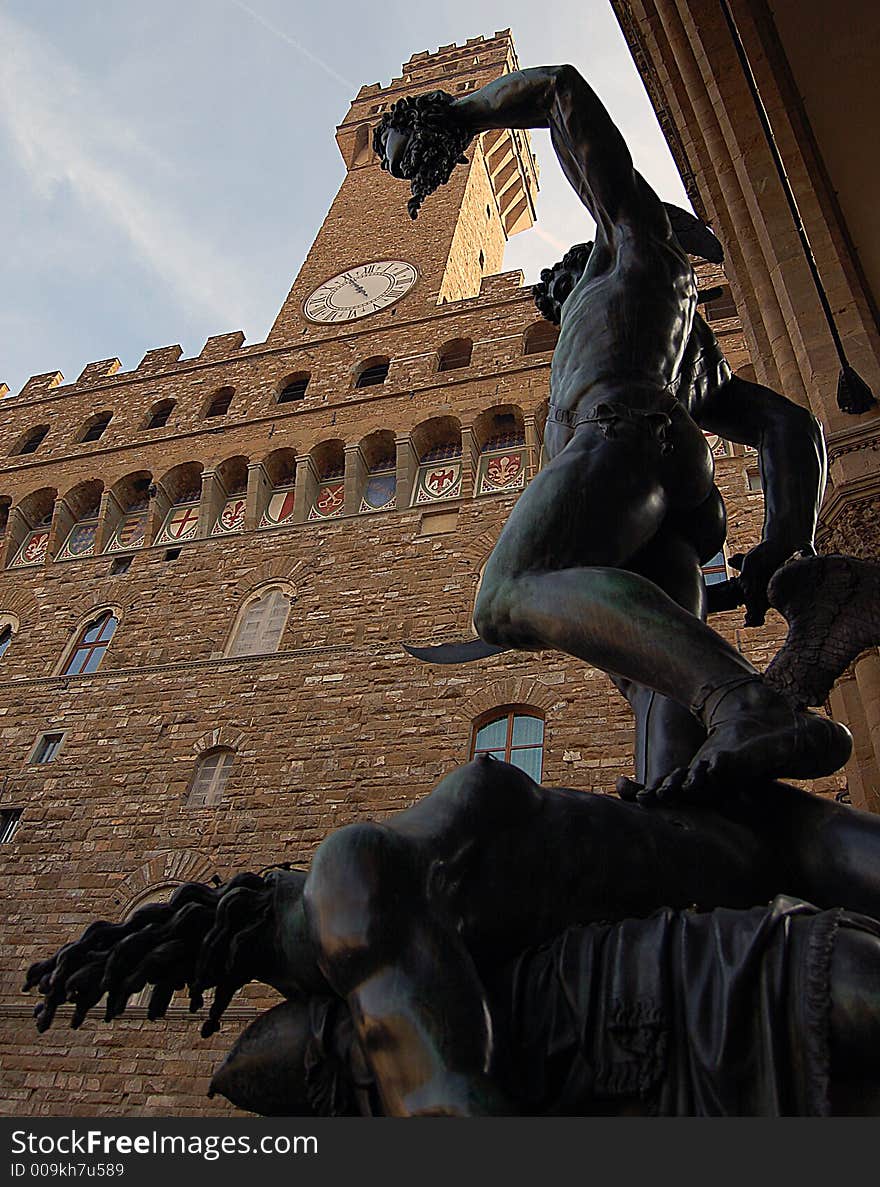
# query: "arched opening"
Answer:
x=455 y=354
x=501 y=440
x=182 y=492
x=83 y=506
x=328 y=462
x=232 y=475
x=513 y=734
x=293 y=388
x=437 y=443
x=219 y=403
x=210 y=776
x=94 y=427
x=157 y=417
x=280 y=468
x=31 y=441
x=129 y=504
x=379 y=452
x=540 y=337
x=90 y=645
x=35 y=519
x=261 y=622
x=372 y=371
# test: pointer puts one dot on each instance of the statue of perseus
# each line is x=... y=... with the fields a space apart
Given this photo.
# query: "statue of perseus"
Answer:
x=601 y=555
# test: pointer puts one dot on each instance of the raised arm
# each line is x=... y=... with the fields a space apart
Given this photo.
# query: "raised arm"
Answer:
x=791 y=452
x=591 y=150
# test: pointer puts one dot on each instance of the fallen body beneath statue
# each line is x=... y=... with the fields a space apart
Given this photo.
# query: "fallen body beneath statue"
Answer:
x=411 y=933
x=724 y=1013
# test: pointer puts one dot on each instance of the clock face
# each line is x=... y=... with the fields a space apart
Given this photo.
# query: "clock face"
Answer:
x=360 y=291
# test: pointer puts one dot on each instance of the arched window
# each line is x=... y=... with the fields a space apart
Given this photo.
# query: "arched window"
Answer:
x=157 y=418
x=262 y=624
x=94 y=427
x=294 y=388
x=540 y=337
x=93 y=641
x=220 y=402
x=514 y=735
x=372 y=371
x=32 y=440
x=455 y=354
x=6 y=633
x=210 y=777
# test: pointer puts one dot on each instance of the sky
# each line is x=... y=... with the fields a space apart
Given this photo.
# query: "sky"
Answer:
x=166 y=165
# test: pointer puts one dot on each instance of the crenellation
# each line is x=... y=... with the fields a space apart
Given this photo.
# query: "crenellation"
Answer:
x=159 y=359
x=219 y=346
x=96 y=372
x=44 y=382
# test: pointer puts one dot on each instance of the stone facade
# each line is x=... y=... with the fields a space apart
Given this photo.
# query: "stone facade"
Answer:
x=338 y=724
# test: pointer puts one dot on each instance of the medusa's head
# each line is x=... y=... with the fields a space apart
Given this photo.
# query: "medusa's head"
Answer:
x=419 y=139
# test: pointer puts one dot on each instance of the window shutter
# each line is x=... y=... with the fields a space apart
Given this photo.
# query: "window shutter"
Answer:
x=262 y=626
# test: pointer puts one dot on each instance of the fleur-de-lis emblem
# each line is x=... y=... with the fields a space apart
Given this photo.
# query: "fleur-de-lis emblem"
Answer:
x=503 y=470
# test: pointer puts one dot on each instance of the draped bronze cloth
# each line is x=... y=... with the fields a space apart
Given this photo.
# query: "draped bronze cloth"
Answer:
x=724 y=1013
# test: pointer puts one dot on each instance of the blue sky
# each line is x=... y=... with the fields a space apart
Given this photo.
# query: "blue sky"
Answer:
x=167 y=165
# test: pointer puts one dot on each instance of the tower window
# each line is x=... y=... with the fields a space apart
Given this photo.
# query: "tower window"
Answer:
x=540 y=337
x=47 y=747
x=210 y=778
x=95 y=427
x=373 y=372
x=33 y=440
x=158 y=414
x=91 y=645
x=294 y=389
x=220 y=402
x=6 y=633
x=9 y=821
x=455 y=354
x=515 y=736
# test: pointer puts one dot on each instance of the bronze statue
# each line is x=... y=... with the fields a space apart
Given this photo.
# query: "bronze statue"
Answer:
x=414 y=953
x=601 y=555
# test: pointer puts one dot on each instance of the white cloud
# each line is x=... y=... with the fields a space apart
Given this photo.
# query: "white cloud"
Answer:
x=63 y=135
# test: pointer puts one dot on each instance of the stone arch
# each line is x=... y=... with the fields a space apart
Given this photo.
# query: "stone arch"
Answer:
x=222 y=737
x=501 y=420
x=268 y=572
x=540 y=337
x=436 y=433
x=507 y=690
x=170 y=868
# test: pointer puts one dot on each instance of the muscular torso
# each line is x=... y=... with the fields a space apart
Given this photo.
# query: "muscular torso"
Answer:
x=630 y=335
